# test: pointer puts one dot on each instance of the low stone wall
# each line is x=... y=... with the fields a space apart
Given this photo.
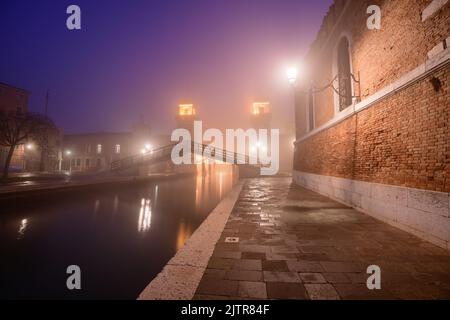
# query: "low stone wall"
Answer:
x=423 y=213
x=180 y=277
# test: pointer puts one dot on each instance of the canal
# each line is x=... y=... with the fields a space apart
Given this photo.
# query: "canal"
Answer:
x=120 y=237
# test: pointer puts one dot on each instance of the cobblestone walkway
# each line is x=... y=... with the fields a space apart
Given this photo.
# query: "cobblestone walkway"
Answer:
x=297 y=244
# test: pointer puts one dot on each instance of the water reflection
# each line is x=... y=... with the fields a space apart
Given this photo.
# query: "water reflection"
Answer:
x=156 y=196
x=145 y=216
x=23 y=227
x=122 y=236
x=184 y=232
x=115 y=203
x=96 y=208
x=213 y=181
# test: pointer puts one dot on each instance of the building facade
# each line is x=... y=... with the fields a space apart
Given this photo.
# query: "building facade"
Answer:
x=89 y=152
x=13 y=99
x=372 y=116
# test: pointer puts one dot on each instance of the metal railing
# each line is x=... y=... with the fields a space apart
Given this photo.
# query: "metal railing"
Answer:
x=164 y=154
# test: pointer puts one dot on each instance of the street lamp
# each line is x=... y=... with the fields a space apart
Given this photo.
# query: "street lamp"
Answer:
x=30 y=146
x=69 y=153
x=292 y=75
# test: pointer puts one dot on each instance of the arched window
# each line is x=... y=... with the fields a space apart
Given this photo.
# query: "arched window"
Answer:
x=344 y=74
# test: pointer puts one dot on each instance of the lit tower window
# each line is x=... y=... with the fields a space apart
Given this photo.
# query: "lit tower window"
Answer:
x=186 y=109
x=261 y=108
x=261 y=115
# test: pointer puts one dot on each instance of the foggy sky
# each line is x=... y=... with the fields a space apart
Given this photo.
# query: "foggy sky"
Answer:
x=137 y=59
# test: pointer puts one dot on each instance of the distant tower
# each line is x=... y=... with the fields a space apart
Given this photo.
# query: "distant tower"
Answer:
x=186 y=116
x=261 y=115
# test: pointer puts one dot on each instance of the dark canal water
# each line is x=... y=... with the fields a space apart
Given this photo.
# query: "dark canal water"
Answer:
x=120 y=238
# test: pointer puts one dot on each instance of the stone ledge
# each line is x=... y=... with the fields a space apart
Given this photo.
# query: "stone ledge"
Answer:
x=423 y=213
x=432 y=8
x=180 y=277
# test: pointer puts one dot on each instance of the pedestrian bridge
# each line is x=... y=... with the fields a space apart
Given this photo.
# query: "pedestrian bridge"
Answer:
x=164 y=154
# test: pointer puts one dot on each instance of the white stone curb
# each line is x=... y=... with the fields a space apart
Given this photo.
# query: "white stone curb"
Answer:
x=180 y=277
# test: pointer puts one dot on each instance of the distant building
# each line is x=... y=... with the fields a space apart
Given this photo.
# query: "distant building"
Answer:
x=95 y=151
x=90 y=152
x=51 y=160
x=186 y=115
x=261 y=115
x=262 y=119
x=13 y=99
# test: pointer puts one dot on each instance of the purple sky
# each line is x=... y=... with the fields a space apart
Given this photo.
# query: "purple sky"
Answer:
x=139 y=58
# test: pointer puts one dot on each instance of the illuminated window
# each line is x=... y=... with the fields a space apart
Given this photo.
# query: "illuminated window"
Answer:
x=117 y=148
x=261 y=108
x=186 y=110
x=99 y=148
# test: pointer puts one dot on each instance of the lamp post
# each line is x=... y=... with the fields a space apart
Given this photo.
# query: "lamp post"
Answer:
x=292 y=74
x=69 y=153
x=29 y=148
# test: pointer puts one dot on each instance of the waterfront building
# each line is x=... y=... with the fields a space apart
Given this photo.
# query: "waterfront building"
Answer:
x=377 y=137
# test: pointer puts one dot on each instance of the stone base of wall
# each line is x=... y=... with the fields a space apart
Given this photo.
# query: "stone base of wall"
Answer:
x=423 y=213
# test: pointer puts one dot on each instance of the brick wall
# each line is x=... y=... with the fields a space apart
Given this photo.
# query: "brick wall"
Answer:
x=405 y=138
x=379 y=56
x=12 y=98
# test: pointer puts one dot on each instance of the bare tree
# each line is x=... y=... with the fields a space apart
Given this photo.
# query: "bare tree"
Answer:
x=17 y=127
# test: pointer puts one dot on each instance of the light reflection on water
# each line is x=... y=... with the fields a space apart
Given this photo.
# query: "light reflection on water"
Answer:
x=184 y=232
x=22 y=229
x=120 y=237
x=145 y=215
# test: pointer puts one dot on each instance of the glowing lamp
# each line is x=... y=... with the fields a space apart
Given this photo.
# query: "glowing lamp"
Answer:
x=292 y=75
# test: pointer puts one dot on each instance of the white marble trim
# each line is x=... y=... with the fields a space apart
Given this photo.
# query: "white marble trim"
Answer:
x=423 y=213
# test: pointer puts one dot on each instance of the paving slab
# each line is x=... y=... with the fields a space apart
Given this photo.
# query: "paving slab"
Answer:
x=297 y=244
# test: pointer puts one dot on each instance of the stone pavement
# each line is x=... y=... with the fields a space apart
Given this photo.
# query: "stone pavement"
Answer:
x=297 y=244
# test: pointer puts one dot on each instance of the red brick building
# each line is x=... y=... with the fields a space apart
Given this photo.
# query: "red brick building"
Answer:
x=372 y=116
x=13 y=99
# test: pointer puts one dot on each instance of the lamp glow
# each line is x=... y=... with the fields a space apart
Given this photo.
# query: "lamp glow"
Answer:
x=292 y=75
